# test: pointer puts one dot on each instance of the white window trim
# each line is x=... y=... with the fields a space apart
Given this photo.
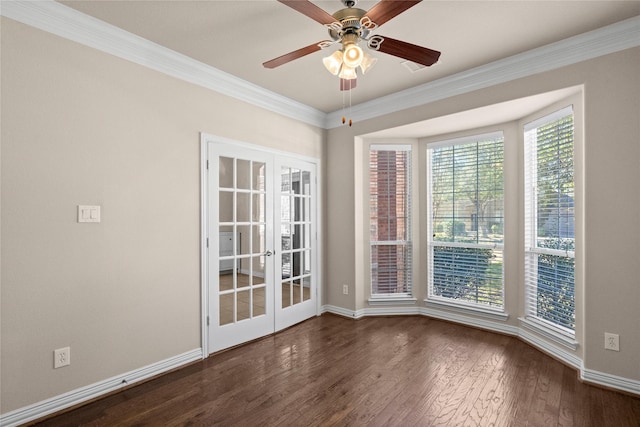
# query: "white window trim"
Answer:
x=392 y=299
x=467 y=308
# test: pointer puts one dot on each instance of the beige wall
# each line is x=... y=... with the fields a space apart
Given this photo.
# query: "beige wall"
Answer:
x=83 y=127
x=611 y=297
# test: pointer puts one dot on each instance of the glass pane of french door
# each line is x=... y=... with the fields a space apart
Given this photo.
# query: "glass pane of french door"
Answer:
x=242 y=239
x=241 y=283
x=296 y=290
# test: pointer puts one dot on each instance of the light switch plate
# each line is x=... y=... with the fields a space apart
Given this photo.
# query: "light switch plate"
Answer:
x=88 y=213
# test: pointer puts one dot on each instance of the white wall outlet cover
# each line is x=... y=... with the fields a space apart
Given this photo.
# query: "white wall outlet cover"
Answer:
x=61 y=357
x=88 y=213
x=611 y=341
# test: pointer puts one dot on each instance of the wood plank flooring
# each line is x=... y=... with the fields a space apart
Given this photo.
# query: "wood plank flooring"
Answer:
x=391 y=371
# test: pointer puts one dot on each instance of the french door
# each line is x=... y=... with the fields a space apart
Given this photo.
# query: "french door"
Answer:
x=261 y=255
x=296 y=273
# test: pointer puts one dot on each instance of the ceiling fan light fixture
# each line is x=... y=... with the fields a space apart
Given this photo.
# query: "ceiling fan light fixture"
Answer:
x=367 y=63
x=333 y=62
x=353 y=55
x=347 y=72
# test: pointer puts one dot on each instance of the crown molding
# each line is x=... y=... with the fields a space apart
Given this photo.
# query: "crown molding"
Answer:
x=55 y=18
x=66 y=22
x=612 y=38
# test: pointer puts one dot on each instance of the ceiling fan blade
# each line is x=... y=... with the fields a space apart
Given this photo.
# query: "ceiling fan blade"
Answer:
x=387 y=9
x=287 y=57
x=309 y=9
x=411 y=52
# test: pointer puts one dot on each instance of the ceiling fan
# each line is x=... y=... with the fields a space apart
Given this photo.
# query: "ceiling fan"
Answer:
x=349 y=26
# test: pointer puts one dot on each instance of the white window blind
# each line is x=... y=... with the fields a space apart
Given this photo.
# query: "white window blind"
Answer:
x=466 y=221
x=549 y=222
x=390 y=219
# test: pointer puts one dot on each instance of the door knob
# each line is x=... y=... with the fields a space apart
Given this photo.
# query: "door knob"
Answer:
x=268 y=253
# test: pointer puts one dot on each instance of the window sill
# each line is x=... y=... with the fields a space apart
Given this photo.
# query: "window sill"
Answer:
x=467 y=309
x=392 y=300
x=549 y=333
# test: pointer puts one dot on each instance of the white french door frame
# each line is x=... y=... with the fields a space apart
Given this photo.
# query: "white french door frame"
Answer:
x=205 y=253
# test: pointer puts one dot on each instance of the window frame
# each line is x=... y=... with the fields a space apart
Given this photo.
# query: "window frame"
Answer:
x=398 y=297
x=531 y=319
x=495 y=311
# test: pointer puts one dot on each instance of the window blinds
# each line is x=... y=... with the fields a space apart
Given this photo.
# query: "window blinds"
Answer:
x=466 y=220
x=549 y=221
x=390 y=219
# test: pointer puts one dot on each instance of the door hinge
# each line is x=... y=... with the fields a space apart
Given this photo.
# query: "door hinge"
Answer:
x=207 y=164
x=207 y=242
x=207 y=320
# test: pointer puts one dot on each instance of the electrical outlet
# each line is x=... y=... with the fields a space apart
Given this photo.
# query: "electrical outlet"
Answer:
x=611 y=341
x=345 y=289
x=61 y=357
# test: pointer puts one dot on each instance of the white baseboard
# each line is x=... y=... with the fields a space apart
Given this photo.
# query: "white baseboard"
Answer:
x=551 y=349
x=594 y=377
x=371 y=311
x=610 y=381
x=390 y=311
x=481 y=323
x=83 y=394
x=340 y=311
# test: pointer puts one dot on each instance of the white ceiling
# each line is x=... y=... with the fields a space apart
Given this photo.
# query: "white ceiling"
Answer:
x=238 y=36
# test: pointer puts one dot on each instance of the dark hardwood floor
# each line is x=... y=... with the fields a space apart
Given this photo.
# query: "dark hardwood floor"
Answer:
x=395 y=371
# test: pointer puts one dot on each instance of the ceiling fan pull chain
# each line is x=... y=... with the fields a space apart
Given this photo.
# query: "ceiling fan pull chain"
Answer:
x=344 y=119
x=350 y=121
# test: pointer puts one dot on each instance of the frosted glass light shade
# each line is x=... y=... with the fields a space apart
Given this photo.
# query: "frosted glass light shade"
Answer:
x=352 y=56
x=368 y=62
x=333 y=62
x=347 y=72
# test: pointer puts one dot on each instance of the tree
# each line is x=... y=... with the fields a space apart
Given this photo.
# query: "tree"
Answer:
x=467 y=172
x=479 y=177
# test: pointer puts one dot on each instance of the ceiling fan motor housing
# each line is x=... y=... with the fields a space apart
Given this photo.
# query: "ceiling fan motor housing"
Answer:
x=351 y=26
